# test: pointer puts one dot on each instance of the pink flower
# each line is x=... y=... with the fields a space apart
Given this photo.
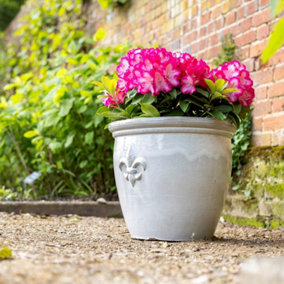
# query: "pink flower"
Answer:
x=238 y=78
x=112 y=101
x=187 y=85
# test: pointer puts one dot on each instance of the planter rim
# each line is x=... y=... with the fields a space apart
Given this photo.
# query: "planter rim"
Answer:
x=171 y=124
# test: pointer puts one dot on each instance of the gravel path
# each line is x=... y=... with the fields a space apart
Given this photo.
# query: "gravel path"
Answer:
x=86 y=250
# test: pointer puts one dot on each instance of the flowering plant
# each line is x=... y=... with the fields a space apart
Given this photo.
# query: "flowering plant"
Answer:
x=155 y=82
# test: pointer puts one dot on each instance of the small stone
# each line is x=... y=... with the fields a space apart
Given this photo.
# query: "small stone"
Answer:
x=262 y=270
x=101 y=200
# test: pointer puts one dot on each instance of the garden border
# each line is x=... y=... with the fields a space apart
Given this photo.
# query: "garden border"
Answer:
x=82 y=208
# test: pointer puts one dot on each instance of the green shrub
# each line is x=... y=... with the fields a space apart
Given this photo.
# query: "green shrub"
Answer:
x=47 y=114
x=8 y=10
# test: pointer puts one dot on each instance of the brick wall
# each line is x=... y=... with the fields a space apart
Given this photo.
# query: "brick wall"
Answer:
x=197 y=26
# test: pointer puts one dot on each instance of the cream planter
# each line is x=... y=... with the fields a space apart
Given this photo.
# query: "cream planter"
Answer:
x=172 y=174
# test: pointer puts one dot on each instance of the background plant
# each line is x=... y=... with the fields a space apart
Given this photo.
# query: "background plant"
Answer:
x=242 y=136
x=8 y=10
x=47 y=112
x=276 y=38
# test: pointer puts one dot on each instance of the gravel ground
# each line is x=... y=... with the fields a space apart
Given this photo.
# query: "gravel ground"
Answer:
x=74 y=249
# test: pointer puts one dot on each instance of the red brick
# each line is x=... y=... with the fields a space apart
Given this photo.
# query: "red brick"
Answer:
x=261 y=108
x=205 y=18
x=235 y=30
x=279 y=72
x=277 y=138
x=249 y=62
x=211 y=27
x=264 y=2
x=276 y=58
x=234 y=4
x=202 y=44
x=261 y=92
x=274 y=122
x=261 y=18
x=257 y=124
x=250 y=8
x=257 y=48
x=276 y=90
x=190 y=37
x=245 y=25
x=203 y=31
x=216 y=12
x=218 y=24
x=213 y=51
x=278 y=104
x=244 y=52
x=262 y=32
x=261 y=139
x=214 y=39
x=230 y=18
x=240 y=13
x=262 y=76
x=246 y=38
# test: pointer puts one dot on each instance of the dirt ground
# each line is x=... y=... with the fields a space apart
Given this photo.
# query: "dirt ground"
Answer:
x=74 y=249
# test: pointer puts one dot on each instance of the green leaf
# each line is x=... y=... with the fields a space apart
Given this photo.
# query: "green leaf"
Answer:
x=89 y=138
x=148 y=98
x=218 y=115
x=174 y=93
x=220 y=84
x=65 y=107
x=129 y=109
x=136 y=99
x=224 y=108
x=275 y=41
x=54 y=146
x=149 y=110
x=5 y=253
x=230 y=90
x=101 y=110
x=31 y=133
x=99 y=35
x=69 y=140
x=217 y=95
x=237 y=108
x=184 y=105
x=211 y=85
x=202 y=92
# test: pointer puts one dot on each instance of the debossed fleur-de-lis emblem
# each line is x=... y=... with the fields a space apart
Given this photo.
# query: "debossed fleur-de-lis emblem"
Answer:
x=132 y=167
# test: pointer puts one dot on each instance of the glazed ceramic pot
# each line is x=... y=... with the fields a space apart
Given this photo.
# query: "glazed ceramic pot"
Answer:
x=172 y=174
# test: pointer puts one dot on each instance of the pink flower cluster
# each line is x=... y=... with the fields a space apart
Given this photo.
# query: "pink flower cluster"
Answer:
x=156 y=70
x=238 y=78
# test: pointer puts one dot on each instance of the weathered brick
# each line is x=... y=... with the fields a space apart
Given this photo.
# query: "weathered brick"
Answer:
x=262 y=17
x=257 y=48
x=235 y=3
x=250 y=8
x=249 y=62
x=279 y=73
x=276 y=58
x=261 y=139
x=276 y=90
x=230 y=18
x=240 y=13
x=257 y=124
x=246 y=38
x=216 y=12
x=261 y=92
x=262 y=32
x=278 y=104
x=261 y=108
x=245 y=25
x=225 y=6
x=273 y=122
x=262 y=76
x=205 y=18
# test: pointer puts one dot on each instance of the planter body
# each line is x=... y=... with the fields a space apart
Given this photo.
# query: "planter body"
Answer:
x=172 y=174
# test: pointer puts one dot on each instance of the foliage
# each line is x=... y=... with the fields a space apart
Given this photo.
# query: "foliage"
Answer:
x=47 y=115
x=105 y=4
x=210 y=102
x=5 y=253
x=276 y=39
x=227 y=52
x=241 y=138
x=8 y=10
